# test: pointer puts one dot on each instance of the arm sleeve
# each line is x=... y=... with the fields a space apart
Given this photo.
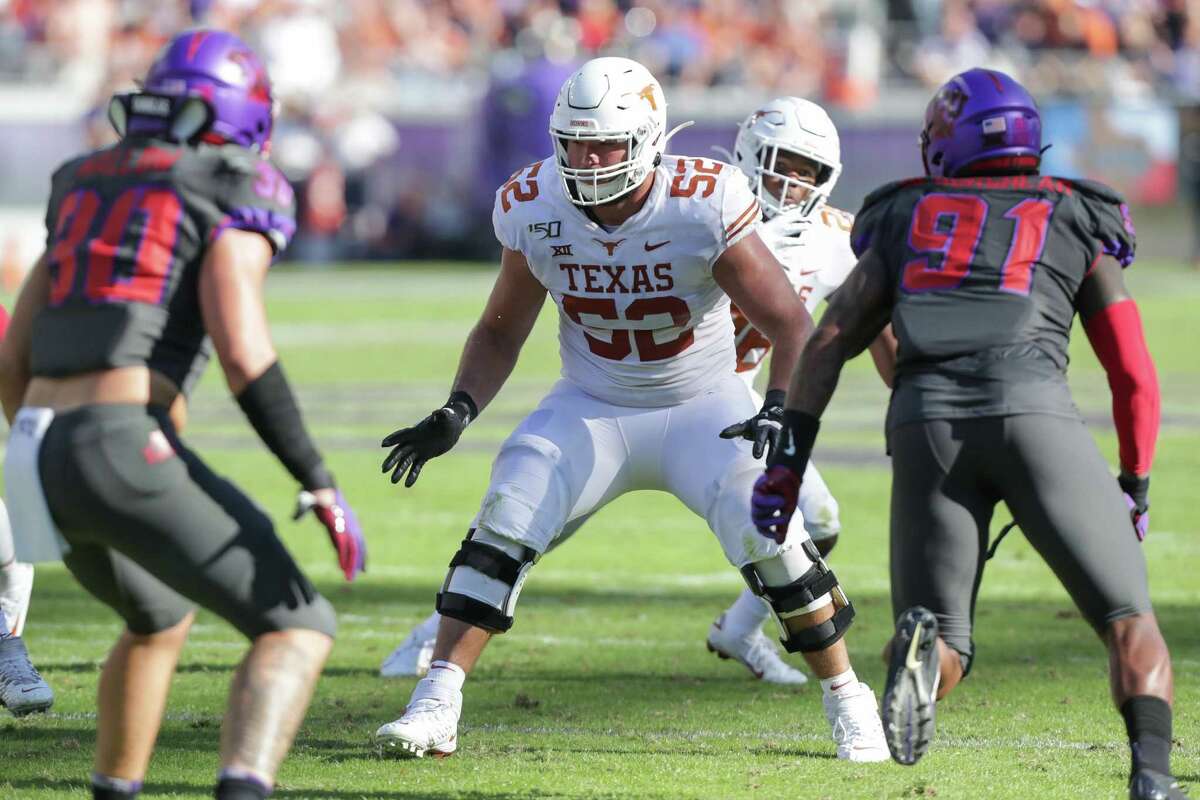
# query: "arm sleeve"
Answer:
x=260 y=200
x=1117 y=337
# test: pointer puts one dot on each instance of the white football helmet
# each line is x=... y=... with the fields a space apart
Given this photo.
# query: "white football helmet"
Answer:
x=795 y=125
x=609 y=99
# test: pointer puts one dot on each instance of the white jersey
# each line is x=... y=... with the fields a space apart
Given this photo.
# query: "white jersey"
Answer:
x=642 y=322
x=816 y=268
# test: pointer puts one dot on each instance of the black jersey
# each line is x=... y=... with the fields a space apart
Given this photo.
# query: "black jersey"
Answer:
x=128 y=227
x=985 y=274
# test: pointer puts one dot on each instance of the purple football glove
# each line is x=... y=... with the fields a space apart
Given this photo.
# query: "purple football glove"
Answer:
x=776 y=493
x=345 y=534
x=1137 y=498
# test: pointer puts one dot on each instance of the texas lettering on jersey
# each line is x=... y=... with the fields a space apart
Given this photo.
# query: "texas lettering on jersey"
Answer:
x=642 y=322
x=816 y=268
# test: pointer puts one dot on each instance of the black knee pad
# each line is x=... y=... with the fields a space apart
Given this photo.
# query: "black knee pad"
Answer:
x=785 y=601
x=486 y=560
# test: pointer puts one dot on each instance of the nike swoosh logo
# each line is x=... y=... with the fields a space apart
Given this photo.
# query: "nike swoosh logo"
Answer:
x=911 y=661
x=790 y=449
x=650 y=247
x=809 y=271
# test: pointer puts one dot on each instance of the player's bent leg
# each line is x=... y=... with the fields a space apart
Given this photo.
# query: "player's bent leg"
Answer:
x=267 y=702
x=813 y=615
x=1143 y=690
x=477 y=599
x=131 y=697
x=412 y=657
x=737 y=635
x=1071 y=510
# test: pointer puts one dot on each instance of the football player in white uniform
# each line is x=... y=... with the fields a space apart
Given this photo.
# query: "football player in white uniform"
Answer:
x=642 y=254
x=790 y=152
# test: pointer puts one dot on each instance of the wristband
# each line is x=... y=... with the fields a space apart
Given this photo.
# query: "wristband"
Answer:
x=1137 y=488
x=796 y=442
x=462 y=402
x=270 y=406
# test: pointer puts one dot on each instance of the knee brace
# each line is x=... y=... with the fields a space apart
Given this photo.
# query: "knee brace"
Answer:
x=485 y=580
x=816 y=588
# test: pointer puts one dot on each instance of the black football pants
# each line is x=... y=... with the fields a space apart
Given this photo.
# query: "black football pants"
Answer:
x=152 y=530
x=948 y=475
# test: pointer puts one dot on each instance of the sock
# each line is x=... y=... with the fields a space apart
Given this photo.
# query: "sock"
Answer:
x=4 y=627
x=746 y=615
x=1148 y=723
x=443 y=682
x=831 y=685
x=236 y=784
x=106 y=788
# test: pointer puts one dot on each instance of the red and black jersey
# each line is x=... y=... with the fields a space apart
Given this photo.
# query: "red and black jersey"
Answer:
x=985 y=273
x=128 y=227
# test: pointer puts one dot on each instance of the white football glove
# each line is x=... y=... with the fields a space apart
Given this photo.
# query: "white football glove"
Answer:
x=784 y=231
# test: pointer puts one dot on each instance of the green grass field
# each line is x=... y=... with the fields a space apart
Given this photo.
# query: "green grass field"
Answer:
x=604 y=688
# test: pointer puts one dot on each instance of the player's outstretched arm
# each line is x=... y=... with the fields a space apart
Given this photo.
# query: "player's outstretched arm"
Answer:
x=856 y=315
x=232 y=280
x=487 y=360
x=17 y=340
x=1114 y=328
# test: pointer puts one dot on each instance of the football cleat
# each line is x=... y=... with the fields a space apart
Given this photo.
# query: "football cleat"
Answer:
x=756 y=652
x=22 y=690
x=911 y=694
x=853 y=717
x=429 y=727
x=412 y=657
x=16 y=585
x=1146 y=784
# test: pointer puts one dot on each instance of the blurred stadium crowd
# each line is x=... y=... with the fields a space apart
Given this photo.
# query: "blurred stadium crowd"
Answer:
x=346 y=70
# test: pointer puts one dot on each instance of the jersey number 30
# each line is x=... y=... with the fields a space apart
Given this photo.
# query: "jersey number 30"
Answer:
x=140 y=227
x=956 y=243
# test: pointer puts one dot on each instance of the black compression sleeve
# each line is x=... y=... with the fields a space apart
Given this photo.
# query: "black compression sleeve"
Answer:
x=271 y=407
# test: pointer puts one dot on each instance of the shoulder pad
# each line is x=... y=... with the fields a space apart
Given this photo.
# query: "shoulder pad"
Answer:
x=1094 y=190
x=836 y=219
x=887 y=191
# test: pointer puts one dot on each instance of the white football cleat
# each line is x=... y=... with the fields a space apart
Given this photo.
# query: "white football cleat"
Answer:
x=412 y=657
x=853 y=717
x=756 y=652
x=429 y=727
x=22 y=690
x=16 y=585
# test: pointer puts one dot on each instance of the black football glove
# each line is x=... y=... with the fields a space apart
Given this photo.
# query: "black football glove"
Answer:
x=764 y=427
x=1137 y=497
x=429 y=438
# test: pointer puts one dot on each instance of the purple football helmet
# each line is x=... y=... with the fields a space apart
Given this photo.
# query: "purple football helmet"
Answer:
x=221 y=70
x=981 y=115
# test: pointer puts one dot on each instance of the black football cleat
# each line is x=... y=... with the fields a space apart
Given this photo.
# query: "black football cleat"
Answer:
x=1146 y=784
x=910 y=697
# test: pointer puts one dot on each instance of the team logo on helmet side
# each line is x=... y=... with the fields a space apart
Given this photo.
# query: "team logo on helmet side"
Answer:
x=947 y=108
